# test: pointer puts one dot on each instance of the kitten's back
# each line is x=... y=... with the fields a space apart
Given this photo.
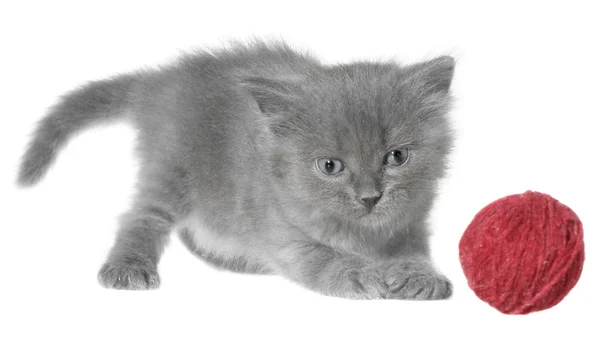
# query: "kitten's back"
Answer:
x=163 y=102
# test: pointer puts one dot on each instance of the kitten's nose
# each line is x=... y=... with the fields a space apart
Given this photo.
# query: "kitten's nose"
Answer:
x=370 y=201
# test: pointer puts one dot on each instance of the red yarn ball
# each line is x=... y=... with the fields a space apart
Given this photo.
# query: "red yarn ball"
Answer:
x=523 y=253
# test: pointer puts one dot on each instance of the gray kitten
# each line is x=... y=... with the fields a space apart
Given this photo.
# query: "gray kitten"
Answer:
x=265 y=160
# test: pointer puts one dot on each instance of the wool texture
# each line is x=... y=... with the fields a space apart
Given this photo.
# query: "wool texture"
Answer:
x=523 y=253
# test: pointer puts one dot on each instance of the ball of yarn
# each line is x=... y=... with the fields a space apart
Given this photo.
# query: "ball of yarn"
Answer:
x=523 y=253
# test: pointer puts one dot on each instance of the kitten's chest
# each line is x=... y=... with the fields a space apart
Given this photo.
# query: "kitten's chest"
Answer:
x=356 y=242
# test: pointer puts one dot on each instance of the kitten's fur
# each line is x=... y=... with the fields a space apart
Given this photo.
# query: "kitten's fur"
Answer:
x=228 y=141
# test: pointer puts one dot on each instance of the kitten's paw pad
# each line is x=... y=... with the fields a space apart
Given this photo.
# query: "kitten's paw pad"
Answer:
x=419 y=286
x=367 y=283
x=130 y=277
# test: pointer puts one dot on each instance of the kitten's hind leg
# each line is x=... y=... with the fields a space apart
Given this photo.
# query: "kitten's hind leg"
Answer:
x=161 y=200
x=133 y=260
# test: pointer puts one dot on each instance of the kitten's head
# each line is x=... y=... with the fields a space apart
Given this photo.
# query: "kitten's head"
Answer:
x=364 y=143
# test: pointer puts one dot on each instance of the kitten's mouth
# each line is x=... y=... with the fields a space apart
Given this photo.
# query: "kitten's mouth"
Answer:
x=367 y=211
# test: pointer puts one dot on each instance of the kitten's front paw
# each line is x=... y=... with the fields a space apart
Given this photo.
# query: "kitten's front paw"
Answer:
x=366 y=283
x=419 y=284
x=356 y=279
x=128 y=276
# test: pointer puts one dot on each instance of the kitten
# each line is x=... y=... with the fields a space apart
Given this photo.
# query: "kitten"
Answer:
x=265 y=160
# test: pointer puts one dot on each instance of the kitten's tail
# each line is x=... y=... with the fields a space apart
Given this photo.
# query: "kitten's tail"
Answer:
x=93 y=103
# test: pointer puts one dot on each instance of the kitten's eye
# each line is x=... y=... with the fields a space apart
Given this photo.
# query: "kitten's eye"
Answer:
x=330 y=166
x=396 y=157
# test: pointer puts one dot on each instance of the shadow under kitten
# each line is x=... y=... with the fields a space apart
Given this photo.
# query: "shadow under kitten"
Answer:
x=265 y=160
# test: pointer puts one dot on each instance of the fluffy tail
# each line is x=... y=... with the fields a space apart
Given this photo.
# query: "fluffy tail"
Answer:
x=96 y=102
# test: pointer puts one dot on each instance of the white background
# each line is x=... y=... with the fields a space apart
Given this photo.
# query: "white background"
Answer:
x=527 y=85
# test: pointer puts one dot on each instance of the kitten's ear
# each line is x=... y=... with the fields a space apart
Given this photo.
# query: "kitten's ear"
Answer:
x=272 y=96
x=435 y=76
